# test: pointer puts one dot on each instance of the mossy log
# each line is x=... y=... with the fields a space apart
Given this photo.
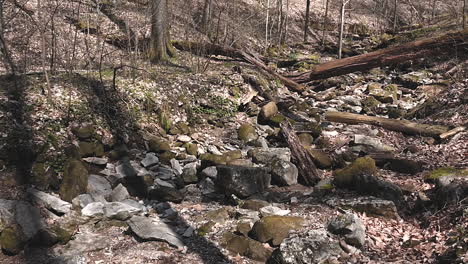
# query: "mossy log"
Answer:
x=404 y=126
x=448 y=43
x=301 y=157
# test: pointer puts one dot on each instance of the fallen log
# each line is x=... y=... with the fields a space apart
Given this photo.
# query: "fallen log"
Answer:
x=448 y=43
x=301 y=157
x=204 y=48
x=404 y=126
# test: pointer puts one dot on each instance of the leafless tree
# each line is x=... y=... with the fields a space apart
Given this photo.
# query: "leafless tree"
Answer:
x=342 y=21
x=306 y=23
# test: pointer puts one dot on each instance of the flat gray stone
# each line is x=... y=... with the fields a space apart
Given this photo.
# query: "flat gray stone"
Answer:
x=150 y=160
x=210 y=172
x=96 y=160
x=146 y=229
x=99 y=186
x=126 y=170
x=119 y=211
x=82 y=200
x=49 y=201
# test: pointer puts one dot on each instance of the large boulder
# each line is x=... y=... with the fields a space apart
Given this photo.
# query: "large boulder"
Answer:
x=7 y=213
x=99 y=186
x=313 y=246
x=12 y=240
x=242 y=181
x=451 y=189
x=274 y=229
x=75 y=180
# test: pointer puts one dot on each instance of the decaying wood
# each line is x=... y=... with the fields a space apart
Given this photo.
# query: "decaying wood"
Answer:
x=301 y=157
x=404 y=126
x=452 y=132
x=213 y=49
x=445 y=44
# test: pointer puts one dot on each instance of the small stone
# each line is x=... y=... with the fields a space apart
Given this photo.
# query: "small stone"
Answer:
x=96 y=160
x=188 y=232
x=175 y=164
x=184 y=138
x=350 y=227
x=214 y=150
x=119 y=211
x=273 y=210
x=119 y=193
x=50 y=202
x=267 y=112
x=209 y=172
x=247 y=132
x=146 y=229
x=150 y=160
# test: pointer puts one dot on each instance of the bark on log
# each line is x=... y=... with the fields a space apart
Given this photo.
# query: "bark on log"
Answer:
x=213 y=49
x=447 y=43
x=301 y=157
x=404 y=126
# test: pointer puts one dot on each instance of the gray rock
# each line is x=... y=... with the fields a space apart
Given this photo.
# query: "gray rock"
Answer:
x=84 y=242
x=209 y=172
x=451 y=189
x=207 y=186
x=189 y=174
x=119 y=193
x=134 y=204
x=50 y=202
x=284 y=172
x=314 y=246
x=119 y=211
x=150 y=160
x=372 y=206
x=99 y=186
x=373 y=143
x=7 y=213
x=350 y=227
x=273 y=210
x=260 y=155
x=165 y=173
x=126 y=170
x=146 y=229
x=214 y=150
x=261 y=142
x=163 y=183
x=95 y=209
x=96 y=160
x=242 y=181
x=82 y=200
x=175 y=164
x=29 y=218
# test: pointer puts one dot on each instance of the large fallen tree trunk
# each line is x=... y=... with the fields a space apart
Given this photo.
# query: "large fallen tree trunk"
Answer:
x=447 y=43
x=301 y=157
x=205 y=48
x=404 y=126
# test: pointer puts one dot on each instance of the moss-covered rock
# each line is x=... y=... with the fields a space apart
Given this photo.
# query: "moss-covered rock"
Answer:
x=247 y=133
x=165 y=121
x=159 y=145
x=219 y=216
x=254 y=204
x=91 y=149
x=445 y=171
x=275 y=228
x=75 y=180
x=206 y=228
x=385 y=94
x=276 y=120
x=191 y=148
x=83 y=132
x=345 y=177
x=209 y=159
x=306 y=139
x=166 y=156
x=245 y=246
x=321 y=158
x=369 y=104
x=12 y=240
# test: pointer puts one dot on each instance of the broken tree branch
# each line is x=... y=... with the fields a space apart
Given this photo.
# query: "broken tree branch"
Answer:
x=301 y=157
x=404 y=126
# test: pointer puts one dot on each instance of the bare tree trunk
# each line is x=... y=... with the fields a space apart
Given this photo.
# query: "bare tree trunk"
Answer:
x=206 y=18
x=306 y=23
x=266 y=23
x=342 y=21
x=325 y=19
x=160 y=47
x=44 y=49
x=4 y=51
x=465 y=13
x=395 y=15
x=286 y=22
